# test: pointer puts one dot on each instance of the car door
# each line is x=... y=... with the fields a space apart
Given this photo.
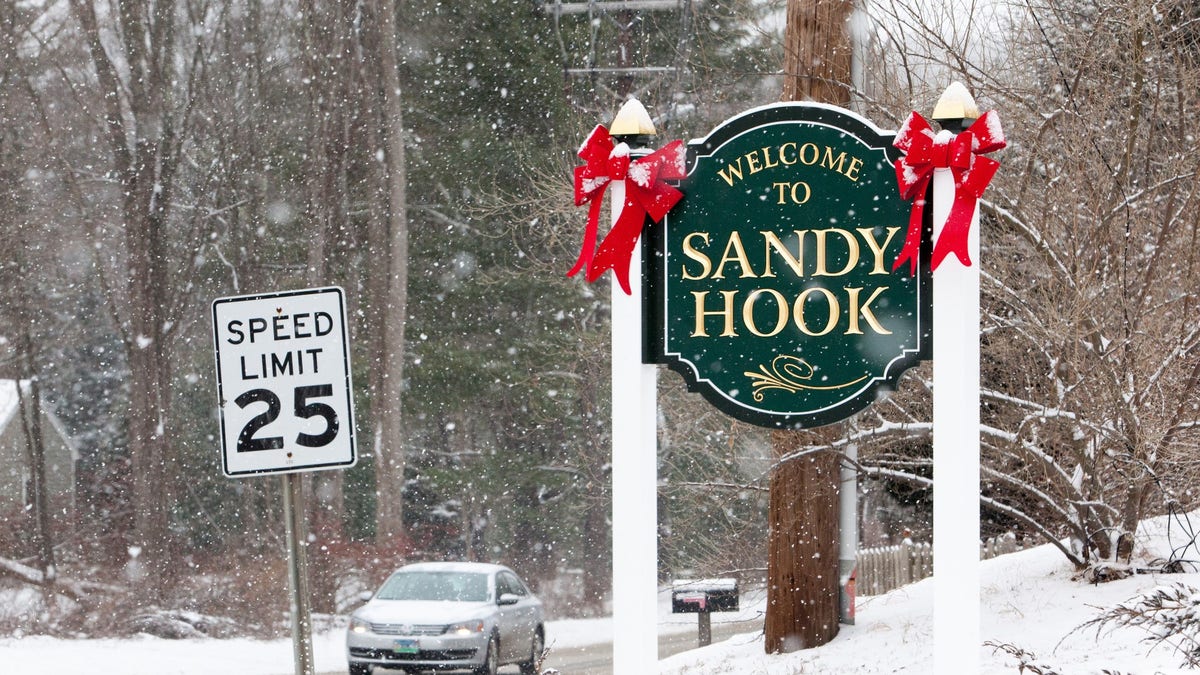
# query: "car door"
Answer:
x=518 y=621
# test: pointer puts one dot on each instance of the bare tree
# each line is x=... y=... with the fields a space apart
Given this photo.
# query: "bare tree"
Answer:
x=18 y=283
x=1089 y=324
x=149 y=61
x=391 y=278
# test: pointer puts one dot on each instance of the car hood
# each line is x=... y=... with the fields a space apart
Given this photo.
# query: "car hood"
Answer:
x=419 y=612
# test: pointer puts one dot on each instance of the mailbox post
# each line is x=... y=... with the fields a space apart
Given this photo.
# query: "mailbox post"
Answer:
x=702 y=598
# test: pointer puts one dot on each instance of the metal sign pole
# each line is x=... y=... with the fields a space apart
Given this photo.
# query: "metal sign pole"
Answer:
x=848 y=533
x=293 y=514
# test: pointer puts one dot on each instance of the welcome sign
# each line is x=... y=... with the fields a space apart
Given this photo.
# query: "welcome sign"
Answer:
x=772 y=289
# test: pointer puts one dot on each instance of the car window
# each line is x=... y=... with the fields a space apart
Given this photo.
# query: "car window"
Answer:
x=436 y=586
x=502 y=585
x=511 y=584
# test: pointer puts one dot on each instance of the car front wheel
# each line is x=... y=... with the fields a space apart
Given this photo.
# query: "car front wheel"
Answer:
x=530 y=667
x=491 y=660
x=360 y=669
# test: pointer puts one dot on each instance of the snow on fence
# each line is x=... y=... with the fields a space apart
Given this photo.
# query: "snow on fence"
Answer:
x=888 y=567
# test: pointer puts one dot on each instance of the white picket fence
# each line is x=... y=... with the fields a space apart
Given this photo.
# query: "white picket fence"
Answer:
x=888 y=567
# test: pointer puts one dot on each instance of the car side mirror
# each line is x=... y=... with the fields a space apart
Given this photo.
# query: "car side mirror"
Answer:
x=365 y=596
x=508 y=599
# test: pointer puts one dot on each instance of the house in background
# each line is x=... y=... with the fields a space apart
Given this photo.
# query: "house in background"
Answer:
x=61 y=455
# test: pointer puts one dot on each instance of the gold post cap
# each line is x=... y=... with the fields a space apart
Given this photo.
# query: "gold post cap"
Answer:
x=632 y=120
x=956 y=103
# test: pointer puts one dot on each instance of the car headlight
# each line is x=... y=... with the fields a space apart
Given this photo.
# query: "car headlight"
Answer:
x=358 y=625
x=465 y=627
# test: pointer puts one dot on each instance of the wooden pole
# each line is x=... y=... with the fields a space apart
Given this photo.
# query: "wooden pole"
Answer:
x=803 y=593
x=816 y=56
x=802 y=547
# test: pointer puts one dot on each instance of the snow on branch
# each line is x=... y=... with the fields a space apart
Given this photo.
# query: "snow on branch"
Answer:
x=1048 y=501
x=1037 y=239
x=1049 y=462
x=723 y=485
x=899 y=476
x=1132 y=199
x=1186 y=345
x=883 y=429
x=25 y=573
x=1017 y=514
x=1010 y=511
x=77 y=590
x=1040 y=408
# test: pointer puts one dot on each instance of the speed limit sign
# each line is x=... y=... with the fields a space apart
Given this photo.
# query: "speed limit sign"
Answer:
x=283 y=382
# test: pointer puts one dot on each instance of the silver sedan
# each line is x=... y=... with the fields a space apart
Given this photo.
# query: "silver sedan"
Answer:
x=448 y=616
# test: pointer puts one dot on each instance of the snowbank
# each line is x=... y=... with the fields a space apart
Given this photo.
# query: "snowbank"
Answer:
x=1028 y=600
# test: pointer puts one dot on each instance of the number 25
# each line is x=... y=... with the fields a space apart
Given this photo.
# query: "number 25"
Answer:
x=303 y=408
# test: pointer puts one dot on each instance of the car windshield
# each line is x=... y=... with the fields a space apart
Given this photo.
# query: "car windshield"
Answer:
x=447 y=586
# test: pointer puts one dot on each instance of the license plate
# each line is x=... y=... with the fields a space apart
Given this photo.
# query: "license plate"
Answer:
x=406 y=646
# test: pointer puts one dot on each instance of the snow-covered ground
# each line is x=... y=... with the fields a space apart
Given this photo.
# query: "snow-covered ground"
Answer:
x=1029 y=599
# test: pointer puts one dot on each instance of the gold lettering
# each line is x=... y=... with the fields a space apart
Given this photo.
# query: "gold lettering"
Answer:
x=831 y=322
x=834 y=164
x=852 y=170
x=852 y=251
x=701 y=313
x=767 y=162
x=788 y=154
x=796 y=262
x=804 y=157
x=752 y=162
x=807 y=192
x=733 y=171
x=793 y=189
x=781 y=312
x=782 y=187
x=738 y=255
x=691 y=252
x=782 y=153
x=865 y=310
x=868 y=235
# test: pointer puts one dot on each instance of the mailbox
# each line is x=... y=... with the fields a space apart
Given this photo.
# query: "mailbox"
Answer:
x=704 y=596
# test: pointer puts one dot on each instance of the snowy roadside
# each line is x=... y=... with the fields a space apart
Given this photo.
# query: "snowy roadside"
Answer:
x=1029 y=601
x=146 y=655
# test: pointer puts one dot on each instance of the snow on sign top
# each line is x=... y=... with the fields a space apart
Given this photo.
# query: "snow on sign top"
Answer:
x=283 y=382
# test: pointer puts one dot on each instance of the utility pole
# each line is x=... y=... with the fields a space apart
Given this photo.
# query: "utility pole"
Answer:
x=802 y=556
x=625 y=15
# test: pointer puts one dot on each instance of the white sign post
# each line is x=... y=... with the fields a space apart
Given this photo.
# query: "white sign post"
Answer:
x=634 y=485
x=287 y=406
x=956 y=628
x=634 y=451
x=955 y=452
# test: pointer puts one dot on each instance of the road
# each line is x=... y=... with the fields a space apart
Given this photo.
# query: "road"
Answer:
x=597 y=659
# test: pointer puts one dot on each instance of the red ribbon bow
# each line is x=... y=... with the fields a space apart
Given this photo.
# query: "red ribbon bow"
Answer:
x=645 y=193
x=962 y=154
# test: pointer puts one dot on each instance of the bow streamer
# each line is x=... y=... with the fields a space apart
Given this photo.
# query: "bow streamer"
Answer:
x=606 y=161
x=962 y=154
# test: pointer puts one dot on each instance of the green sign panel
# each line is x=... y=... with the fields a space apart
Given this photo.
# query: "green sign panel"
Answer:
x=773 y=292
